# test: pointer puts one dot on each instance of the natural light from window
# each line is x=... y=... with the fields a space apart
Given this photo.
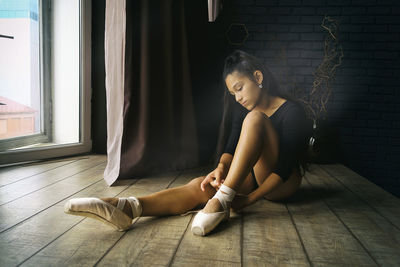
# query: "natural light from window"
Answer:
x=19 y=69
x=39 y=73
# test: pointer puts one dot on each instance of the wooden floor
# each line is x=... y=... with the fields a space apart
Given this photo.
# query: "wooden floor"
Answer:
x=337 y=218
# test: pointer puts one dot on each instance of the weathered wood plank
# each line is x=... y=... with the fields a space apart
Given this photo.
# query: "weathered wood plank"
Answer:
x=15 y=173
x=189 y=261
x=222 y=246
x=22 y=208
x=385 y=203
x=270 y=238
x=153 y=241
x=24 y=240
x=337 y=225
x=326 y=240
x=88 y=241
x=33 y=183
x=376 y=234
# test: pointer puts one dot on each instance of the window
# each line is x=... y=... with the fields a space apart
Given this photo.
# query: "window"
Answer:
x=20 y=92
x=45 y=92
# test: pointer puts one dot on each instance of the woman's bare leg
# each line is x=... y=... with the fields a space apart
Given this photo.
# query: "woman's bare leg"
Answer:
x=171 y=201
x=258 y=143
x=176 y=200
x=257 y=146
x=180 y=199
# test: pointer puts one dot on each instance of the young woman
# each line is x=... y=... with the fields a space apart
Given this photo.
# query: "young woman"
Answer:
x=268 y=135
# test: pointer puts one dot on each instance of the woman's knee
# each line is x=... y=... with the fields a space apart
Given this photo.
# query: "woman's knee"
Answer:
x=255 y=119
x=195 y=183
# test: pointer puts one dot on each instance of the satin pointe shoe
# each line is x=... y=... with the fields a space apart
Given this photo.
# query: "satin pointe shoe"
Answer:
x=203 y=223
x=105 y=212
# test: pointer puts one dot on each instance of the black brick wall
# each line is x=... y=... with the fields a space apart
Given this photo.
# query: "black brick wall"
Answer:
x=364 y=107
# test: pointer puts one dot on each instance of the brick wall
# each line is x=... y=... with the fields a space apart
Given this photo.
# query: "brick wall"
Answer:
x=364 y=107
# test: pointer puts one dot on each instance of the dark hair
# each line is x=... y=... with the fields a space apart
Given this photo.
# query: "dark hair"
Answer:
x=246 y=64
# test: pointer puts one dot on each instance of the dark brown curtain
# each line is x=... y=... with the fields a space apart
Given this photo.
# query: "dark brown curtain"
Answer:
x=159 y=128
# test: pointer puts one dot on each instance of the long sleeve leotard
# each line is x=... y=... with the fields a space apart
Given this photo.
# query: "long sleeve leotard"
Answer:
x=293 y=128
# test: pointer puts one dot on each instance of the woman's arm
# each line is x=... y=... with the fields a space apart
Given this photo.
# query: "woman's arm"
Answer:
x=272 y=182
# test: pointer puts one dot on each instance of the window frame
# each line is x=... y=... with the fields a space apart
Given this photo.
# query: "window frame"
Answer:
x=85 y=143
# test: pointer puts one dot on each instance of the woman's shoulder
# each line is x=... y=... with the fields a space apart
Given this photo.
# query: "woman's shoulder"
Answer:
x=292 y=110
x=294 y=106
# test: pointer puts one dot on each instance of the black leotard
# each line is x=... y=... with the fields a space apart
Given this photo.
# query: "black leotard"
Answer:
x=294 y=131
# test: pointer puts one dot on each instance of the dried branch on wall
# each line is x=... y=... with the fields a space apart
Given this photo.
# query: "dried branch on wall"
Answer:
x=325 y=73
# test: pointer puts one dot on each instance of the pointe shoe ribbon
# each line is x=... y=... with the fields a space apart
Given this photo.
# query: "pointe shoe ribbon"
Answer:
x=105 y=212
x=203 y=223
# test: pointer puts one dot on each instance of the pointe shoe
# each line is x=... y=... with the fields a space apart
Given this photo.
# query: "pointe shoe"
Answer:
x=203 y=223
x=105 y=212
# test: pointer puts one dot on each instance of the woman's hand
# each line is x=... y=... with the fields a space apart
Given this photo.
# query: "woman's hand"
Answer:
x=215 y=178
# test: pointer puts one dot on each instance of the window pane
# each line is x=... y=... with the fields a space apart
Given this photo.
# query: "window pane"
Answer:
x=40 y=97
x=65 y=25
x=20 y=90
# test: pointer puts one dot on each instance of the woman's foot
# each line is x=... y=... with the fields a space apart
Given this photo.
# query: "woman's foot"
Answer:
x=216 y=210
x=112 y=211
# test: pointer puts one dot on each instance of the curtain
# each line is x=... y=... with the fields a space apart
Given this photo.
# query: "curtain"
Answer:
x=151 y=125
x=214 y=8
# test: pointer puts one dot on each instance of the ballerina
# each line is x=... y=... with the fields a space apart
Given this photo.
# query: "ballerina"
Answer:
x=263 y=157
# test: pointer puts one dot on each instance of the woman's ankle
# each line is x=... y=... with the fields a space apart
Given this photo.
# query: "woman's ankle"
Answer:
x=114 y=201
x=213 y=206
x=128 y=209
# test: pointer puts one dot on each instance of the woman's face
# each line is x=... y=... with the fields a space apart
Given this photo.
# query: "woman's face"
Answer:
x=246 y=91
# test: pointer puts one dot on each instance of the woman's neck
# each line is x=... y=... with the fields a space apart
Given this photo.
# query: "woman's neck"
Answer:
x=269 y=104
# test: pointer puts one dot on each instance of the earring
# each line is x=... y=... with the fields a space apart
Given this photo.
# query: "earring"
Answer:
x=260 y=85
